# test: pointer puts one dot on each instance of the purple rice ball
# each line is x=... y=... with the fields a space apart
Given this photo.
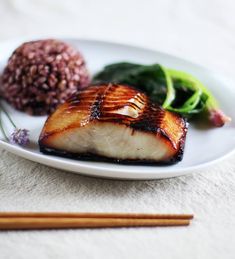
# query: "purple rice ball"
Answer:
x=42 y=74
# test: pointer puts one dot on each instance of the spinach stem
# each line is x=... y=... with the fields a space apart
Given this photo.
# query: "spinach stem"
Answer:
x=211 y=102
x=170 y=96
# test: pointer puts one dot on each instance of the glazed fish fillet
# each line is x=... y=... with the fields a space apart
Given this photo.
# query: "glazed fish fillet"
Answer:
x=114 y=122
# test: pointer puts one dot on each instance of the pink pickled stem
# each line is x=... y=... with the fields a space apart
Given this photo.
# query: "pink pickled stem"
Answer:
x=218 y=118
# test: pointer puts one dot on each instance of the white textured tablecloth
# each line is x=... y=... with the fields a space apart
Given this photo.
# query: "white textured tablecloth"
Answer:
x=203 y=31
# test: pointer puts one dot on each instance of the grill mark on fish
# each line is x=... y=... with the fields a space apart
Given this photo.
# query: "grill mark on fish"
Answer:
x=128 y=104
x=96 y=107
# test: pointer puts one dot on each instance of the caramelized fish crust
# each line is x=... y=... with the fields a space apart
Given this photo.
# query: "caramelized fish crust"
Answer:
x=123 y=107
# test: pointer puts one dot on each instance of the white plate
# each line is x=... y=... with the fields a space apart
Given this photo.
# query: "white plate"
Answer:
x=203 y=147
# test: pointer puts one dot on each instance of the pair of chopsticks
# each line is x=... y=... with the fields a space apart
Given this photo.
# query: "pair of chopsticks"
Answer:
x=63 y=220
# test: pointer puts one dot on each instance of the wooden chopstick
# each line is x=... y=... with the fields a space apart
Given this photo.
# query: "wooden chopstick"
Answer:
x=93 y=215
x=59 y=220
x=16 y=223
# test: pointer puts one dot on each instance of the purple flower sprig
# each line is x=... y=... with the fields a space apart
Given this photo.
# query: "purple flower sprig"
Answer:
x=19 y=136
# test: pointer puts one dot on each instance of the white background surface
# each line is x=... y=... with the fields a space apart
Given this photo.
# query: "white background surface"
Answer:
x=202 y=31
